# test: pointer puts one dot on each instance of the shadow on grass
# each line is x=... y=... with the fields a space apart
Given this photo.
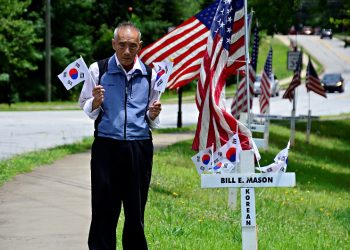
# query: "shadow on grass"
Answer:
x=338 y=129
x=310 y=172
x=343 y=216
x=161 y=189
x=313 y=173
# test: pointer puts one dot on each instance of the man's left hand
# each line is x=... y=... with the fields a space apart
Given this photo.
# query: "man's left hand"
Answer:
x=154 y=110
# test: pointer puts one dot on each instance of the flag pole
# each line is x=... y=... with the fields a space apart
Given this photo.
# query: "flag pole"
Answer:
x=308 y=127
x=292 y=121
x=246 y=46
x=90 y=76
x=237 y=86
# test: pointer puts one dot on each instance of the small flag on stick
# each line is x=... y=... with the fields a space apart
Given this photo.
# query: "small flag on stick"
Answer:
x=204 y=160
x=280 y=164
x=312 y=82
x=296 y=81
x=227 y=157
x=163 y=70
x=74 y=73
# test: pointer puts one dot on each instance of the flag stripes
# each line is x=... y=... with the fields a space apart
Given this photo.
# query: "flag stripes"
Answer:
x=290 y=91
x=185 y=45
x=224 y=55
x=240 y=100
x=296 y=81
x=265 y=85
x=313 y=83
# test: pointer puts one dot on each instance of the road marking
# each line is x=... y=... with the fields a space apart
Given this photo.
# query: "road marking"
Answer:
x=340 y=55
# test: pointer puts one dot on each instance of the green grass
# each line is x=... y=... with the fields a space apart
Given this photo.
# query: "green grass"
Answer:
x=180 y=215
x=27 y=162
x=313 y=215
x=40 y=106
x=279 y=57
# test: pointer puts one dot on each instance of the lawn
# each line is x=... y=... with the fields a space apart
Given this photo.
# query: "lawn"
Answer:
x=313 y=215
x=180 y=215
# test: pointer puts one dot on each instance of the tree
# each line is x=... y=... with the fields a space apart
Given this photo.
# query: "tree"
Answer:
x=276 y=15
x=18 y=40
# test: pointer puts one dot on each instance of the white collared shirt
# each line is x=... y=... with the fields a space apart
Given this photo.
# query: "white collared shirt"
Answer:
x=86 y=98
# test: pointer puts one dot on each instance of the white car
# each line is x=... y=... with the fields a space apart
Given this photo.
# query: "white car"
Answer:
x=275 y=86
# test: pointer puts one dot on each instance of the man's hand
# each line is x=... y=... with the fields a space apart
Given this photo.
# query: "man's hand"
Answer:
x=154 y=110
x=98 y=94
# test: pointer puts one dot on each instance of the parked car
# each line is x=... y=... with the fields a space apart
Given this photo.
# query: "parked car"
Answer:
x=307 y=30
x=275 y=86
x=333 y=82
x=326 y=33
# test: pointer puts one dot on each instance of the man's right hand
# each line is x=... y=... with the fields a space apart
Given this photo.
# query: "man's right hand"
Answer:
x=98 y=94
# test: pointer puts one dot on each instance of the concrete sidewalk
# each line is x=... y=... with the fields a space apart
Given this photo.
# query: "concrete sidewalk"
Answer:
x=49 y=208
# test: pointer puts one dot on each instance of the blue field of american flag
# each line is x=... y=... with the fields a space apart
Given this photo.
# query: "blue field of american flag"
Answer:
x=225 y=54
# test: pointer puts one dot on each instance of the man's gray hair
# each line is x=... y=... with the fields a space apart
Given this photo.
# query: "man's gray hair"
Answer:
x=126 y=25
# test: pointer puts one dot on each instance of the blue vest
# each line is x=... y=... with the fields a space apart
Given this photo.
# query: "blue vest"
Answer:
x=125 y=104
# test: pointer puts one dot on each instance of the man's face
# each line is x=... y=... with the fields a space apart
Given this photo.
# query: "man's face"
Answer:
x=126 y=45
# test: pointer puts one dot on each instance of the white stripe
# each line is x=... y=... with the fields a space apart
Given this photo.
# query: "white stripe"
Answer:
x=178 y=41
x=170 y=35
x=236 y=35
x=187 y=76
x=180 y=64
x=203 y=135
x=220 y=67
x=238 y=53
x=217 y=52
x=217 y=134
x=239 y=14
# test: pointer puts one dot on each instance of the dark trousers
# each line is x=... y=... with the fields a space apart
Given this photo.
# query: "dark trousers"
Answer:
x=120 y=175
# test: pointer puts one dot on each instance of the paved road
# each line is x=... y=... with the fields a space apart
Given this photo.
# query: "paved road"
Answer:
x=49 y=208
x=26 y=131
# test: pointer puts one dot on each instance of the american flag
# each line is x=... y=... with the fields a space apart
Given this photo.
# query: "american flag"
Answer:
x=240 y=103
x=185 y=45
x=224 y=55
x=265 y=84
x=313 y=83
x=255 y=50
x=296 y=81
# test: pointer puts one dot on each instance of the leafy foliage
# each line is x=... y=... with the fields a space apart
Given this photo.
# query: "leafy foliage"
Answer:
x=18 y=37
x=86 y=28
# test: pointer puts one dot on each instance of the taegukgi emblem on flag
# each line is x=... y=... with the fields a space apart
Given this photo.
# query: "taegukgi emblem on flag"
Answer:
x=74 y=73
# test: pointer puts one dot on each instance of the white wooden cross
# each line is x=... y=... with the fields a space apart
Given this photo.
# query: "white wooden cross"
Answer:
x=247 y=180
x=262 y=143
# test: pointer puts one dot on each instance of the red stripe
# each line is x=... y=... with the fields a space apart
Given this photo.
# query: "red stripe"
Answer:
x=164 y=41
x=182 y=49
x=180 y=83
x=179 y=52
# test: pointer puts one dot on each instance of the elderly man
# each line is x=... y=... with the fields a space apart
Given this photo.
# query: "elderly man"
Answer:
x=121 y=99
